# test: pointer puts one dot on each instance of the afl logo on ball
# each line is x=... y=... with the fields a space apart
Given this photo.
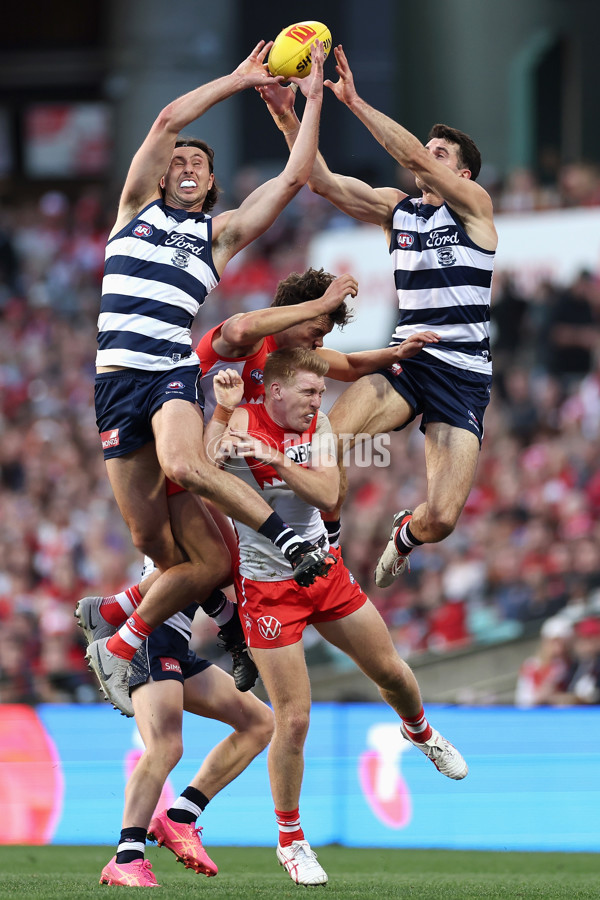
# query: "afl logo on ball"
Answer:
x=405 y=240
x=142 y=229
x=269 y=627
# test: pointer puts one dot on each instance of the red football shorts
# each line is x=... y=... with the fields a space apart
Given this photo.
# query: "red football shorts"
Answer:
x=275 y=613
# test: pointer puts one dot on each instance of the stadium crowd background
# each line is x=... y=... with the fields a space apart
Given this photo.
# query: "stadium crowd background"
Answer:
x=527 y=545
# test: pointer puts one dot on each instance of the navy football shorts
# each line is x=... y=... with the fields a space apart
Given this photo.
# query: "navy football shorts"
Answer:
x=441 y=393
x=165 y=655
x=127 y=399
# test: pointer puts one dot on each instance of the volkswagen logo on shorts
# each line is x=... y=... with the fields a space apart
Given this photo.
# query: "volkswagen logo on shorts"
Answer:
x=269 y=627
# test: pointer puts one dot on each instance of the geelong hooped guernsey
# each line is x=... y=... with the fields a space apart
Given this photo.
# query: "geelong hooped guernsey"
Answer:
x=250 y=369
x=259 y=559
x=158 y=271
x=443 y=280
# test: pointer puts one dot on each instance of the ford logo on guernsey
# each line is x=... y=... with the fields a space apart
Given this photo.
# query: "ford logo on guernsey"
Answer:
x=405 y=240
x=142 y=229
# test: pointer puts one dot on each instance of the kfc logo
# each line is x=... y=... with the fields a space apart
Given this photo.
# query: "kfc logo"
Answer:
x=269 y=627
x=110 y=438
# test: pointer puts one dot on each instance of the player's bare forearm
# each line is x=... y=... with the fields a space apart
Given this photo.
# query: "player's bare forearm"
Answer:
x=397 y=140
x=318 y=487
x=351 y=366
x=246 y=329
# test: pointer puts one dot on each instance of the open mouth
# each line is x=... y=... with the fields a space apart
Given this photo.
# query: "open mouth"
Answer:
x=188 y=183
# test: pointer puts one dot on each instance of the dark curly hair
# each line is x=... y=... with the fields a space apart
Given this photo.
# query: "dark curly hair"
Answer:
x=469 y=156
x=310 y=285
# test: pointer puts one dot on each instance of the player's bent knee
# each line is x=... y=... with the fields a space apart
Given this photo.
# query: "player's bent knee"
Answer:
x=265 y=727
x=190 y=477
x=164 y=553
x=295 y=728
x=170 y=753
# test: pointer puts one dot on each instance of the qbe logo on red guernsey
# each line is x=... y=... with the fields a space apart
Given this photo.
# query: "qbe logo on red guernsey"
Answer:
x=110 y=438
x=170 y=665
x=269 y=627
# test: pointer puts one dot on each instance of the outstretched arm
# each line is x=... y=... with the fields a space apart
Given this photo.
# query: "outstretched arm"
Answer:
x=234 y=229
x=469 y=200
x=354 y=197
x=240 y=334
x=152 y=159
x=350 y=366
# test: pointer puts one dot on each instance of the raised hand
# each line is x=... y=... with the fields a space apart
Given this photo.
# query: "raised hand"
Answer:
x=229 y=388
x=253 y=70
x=279 y=99
x=344 y=88
x=312 y=84
x=342 y=287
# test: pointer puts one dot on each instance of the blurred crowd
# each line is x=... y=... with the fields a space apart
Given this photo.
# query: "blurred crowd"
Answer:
x=527 y=547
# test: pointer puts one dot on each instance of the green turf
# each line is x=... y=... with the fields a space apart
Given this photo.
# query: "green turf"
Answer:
x=253 y=874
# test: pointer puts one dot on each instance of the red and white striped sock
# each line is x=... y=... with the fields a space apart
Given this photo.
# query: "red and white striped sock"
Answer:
x=116 y=608
x=289 y=827
x=418 y=728
x=129 y=637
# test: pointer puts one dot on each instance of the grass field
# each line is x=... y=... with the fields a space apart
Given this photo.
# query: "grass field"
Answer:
x=246 y=873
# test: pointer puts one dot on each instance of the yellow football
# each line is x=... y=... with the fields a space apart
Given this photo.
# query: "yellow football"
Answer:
x=290 y=54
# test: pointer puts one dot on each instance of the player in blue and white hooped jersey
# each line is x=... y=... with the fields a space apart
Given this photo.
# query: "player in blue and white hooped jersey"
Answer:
x=164 y=255
x=442 y=246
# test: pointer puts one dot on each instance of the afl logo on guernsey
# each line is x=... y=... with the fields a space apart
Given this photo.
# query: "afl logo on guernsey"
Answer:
x=142 y=229
x=175 y=385
x=405 y=240
x=257 y=376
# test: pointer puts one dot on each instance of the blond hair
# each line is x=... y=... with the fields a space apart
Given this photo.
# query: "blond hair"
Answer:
x=283 y=365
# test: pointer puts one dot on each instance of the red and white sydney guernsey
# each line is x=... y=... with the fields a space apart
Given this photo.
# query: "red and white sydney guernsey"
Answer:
x=259 y=559
x=250 y=369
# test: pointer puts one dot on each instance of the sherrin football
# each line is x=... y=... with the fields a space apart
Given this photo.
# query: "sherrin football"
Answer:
x=290 y=54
